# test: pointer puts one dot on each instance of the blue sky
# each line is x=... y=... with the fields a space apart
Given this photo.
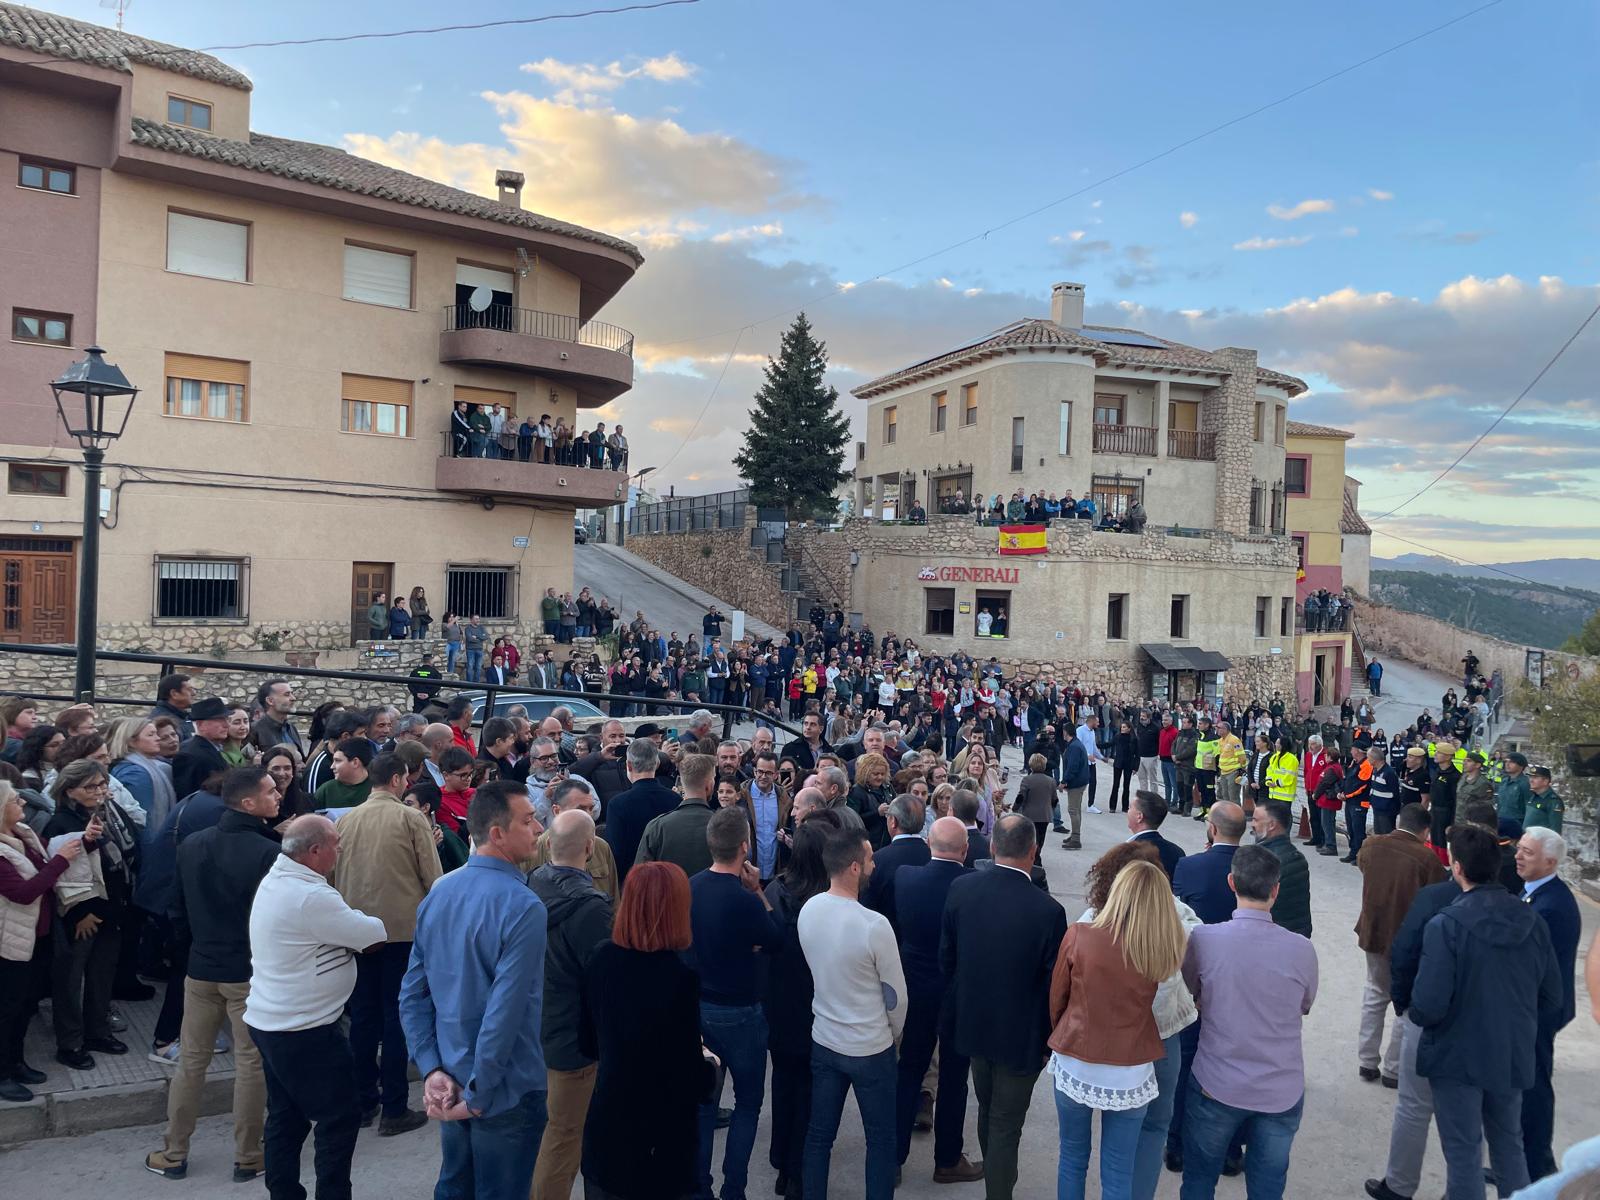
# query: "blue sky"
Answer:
x=1414 y=238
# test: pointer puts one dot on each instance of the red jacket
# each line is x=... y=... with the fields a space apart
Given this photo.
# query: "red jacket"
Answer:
x=1316 y=764
x=464 y=740
x=1327 y=791
x=1164 y=745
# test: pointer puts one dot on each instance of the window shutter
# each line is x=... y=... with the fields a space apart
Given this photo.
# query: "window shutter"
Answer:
x=486 y=397
x=201 y=246
x=377 y=276
x=212 y=370
x=468 y=275
x=374 y=390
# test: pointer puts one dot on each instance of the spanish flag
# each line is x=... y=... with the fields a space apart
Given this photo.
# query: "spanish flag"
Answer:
x=1022 y=539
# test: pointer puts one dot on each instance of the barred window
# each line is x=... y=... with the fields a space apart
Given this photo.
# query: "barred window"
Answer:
x=487 y=592
x=1115 y=494
x=200 y=589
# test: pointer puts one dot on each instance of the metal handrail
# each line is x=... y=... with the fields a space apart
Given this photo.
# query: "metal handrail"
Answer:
x=532 y=322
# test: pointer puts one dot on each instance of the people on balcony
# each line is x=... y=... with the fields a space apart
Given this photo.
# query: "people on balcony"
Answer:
x=478 y=431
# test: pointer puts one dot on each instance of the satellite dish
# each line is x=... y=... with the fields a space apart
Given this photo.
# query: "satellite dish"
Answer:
x=480 y=299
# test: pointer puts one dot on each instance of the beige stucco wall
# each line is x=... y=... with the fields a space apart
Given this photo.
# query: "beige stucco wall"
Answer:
x=230 y=107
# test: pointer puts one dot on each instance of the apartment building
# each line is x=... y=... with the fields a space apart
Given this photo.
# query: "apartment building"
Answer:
x=301 y=323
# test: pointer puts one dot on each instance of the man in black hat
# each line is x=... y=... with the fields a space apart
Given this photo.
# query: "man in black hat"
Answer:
x=200 y=756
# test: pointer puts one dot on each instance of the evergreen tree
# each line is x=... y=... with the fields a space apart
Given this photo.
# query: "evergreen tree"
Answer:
x=794 y=450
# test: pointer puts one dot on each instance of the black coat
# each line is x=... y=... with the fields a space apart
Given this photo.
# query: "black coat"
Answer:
x=1405 y=952
x=628 y=814
x=919 y=896
x=196 y=762
x=1487 y=980
x=977 y=847
x=1553 y=901
x=998 y=945
x=886 y=863
x=1171 y=853
x=1201 y=882
x=787 y=1001
x=219 y=870
x=578 y=918
x=642 y=1023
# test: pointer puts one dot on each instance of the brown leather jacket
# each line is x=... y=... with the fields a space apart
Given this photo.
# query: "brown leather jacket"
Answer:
x=1394 y=868
x=1100 y=1008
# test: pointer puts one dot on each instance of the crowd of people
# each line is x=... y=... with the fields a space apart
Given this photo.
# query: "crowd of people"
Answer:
x=492 y=431
x=1036 y=508
x=862 y=908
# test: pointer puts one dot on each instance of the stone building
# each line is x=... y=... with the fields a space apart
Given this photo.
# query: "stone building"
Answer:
x=301 y=323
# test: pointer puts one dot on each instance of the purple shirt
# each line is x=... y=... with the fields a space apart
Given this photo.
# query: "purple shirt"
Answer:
x=1252 y=981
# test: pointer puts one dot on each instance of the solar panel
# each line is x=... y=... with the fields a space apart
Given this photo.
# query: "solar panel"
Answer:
x=1118 y=337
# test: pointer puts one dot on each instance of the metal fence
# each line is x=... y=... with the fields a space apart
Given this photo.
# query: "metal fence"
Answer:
x=687 y=514
x=555 y=326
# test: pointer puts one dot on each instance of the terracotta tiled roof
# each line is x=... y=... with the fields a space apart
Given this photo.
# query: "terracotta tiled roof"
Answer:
x=1351 y=521
x=329 y=167
x=79 y=41
x=1302 y=429
x=1106 y=352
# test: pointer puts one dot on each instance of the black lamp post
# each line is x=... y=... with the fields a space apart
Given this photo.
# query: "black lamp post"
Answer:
x=94 y=399
x=622 y=517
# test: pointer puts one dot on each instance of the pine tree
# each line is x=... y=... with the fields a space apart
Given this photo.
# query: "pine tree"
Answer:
x=794 y=450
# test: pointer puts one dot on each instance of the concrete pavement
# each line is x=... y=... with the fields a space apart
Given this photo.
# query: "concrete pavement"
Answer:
x=633 y=584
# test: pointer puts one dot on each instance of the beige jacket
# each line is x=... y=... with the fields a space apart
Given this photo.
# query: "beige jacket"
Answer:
x=387 y=862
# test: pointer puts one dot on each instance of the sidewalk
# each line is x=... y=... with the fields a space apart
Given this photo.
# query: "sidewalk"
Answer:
x=689 y=592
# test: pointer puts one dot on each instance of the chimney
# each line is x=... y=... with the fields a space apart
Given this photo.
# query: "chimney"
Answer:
x=1066 y=305
x=509 y=185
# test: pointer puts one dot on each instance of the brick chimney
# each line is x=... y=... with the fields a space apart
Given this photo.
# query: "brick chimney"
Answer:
x=509 y=186
x=1066 y=305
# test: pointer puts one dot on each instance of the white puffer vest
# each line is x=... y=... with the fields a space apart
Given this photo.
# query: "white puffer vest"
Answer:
x=18 y=921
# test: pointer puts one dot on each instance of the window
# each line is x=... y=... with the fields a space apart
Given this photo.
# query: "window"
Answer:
x=1280 y=506
x=1300 y=551
x=201 y=589
x=1296 y=473
x=1117 y=617
x=969 y=404
x=1108 y=408
x=1065 y=444
x=939 y=407
x=992 y=617
x=890 y=415
x=1286 y=616
x=1280 y=416
x=1183 y=416
x=1258 y=425
x=208 y=246
x=1258 y=506
x=1263 y=607
x=1016 y=443
x=487 y=592
x=1180 y=617
x=380 y=406
x=377 y=276
x=1114 y=493
x=52 y=329
x=939 y=610
x=193 y=113
x=485 y=298
x=47 y=177
x=215 y=389
x=36 y=479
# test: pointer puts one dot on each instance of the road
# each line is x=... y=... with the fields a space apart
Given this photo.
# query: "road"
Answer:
x=1343 y=1138
x=632 y=586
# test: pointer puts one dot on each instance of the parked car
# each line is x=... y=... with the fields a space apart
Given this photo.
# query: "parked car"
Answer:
x=580 y=535
x=584 y=712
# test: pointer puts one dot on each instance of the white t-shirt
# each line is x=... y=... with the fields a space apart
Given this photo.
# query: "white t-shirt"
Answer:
x=859 y=1006
x=303 y=944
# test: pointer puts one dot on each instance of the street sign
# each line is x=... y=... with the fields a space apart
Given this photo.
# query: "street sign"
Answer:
x=521 y=543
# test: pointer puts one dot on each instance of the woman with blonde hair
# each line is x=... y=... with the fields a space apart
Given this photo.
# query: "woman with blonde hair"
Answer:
x=871 y=795
x=136 y=763
x=1104 y=1039
x=939 y=801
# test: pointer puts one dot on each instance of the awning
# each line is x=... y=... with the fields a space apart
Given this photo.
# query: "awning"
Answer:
x=1184 y=658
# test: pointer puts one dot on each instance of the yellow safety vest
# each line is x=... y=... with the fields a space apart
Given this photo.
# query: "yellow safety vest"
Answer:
x=1282 y=774
x=1230 y=754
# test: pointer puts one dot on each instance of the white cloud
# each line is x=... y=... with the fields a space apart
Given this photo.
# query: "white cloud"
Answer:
x=1188 y=219
x=1380 y=194
x=943 y=282
x=750 y=233
x=1275 y=243
x=1303 y=209
x=586 y=82
x=969 y=293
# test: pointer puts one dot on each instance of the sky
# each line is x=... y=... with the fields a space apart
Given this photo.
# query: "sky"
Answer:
x=1415 y=238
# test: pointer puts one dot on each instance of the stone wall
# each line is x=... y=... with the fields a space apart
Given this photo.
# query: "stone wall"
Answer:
x=206 y=640
x=1230 y=417
x=825 y=555
x=1440 y=646
x=720 y=561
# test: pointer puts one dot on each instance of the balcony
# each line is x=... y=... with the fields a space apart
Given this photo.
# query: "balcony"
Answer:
x=1196 y=444
x=1125 y=439
x=594 y=357
x=560 y=486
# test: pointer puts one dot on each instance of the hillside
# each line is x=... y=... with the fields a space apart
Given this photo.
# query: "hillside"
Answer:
x=1502 y=608
x=1556 y=572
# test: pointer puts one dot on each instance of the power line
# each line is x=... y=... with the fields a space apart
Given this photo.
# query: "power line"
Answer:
x=1504 y=413
x=1459 y=558
x=839 y=289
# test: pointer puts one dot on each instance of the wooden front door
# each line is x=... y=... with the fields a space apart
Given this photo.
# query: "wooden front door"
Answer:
x=366 y=581
x=36 y=589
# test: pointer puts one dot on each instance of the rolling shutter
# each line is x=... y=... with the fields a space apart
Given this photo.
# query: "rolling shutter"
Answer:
x=373 y=390
x=377 y=276
x=202 y=246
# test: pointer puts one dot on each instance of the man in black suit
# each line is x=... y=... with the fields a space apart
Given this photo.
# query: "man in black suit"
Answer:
x=629 y=812
x=1539 y=854
x=964 y=807
x=200 y=756
x=1145 y=815
x=918 y=901
x=998 y=947
x=905 y=849
x=496 y=672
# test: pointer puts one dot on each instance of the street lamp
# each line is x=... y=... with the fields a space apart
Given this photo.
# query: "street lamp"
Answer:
x=94 y=399
x=622 y=516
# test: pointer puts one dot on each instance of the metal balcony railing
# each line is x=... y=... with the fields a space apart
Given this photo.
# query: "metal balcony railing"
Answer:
x=531 y=322
x=1125 y=439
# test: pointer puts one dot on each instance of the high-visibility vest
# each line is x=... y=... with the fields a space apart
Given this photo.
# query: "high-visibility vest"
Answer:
x=1282 y=772
x=1232 y=755
x=1205 y=754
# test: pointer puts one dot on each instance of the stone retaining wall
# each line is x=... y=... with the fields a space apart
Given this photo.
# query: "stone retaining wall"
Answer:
x=720 y=561
x=1440 y=646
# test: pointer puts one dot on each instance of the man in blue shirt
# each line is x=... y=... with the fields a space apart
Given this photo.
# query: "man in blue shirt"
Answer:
x=472 y=1004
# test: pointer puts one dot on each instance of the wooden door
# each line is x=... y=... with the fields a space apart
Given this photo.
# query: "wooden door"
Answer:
x=367 y=580
x=36 y=589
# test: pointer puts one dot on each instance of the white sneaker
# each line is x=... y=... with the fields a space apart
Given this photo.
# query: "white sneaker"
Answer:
x=167 y=1055
x=1094 y=808
x=223 y=1044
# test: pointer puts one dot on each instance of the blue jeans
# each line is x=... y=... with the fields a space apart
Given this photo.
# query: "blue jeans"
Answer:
x=1169 y=781
x=479 y=443
x=491 y=1158
x=873 y=1077
x=1119 y=1141
x=475 y=665
x=1157 y=1120
x=452 y=651
x=738 y=1036
x=1209 y=1125
x=718 y=688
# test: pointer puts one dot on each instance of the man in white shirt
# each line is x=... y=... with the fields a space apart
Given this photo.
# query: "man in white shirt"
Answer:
x=1086 y=738
x=858 y=1010
x=303 y=943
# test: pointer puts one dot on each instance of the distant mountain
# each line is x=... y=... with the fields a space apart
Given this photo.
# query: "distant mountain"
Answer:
x=1534 y=615
x=1556 y=572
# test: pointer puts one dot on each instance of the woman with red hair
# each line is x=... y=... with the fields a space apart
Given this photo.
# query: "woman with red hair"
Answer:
x=641 y=1020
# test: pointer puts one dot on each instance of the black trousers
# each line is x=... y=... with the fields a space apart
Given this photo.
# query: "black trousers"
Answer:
x=21 y=986
x=791 y=1113
x=924 y=1015
x=169 y=1022
x=311 y=1080
x=1539 y=1108
x=1121 y=782
x=375 y=1022
x=80 y=983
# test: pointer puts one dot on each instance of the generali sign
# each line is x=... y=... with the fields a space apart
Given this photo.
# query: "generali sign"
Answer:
x=969 y=574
